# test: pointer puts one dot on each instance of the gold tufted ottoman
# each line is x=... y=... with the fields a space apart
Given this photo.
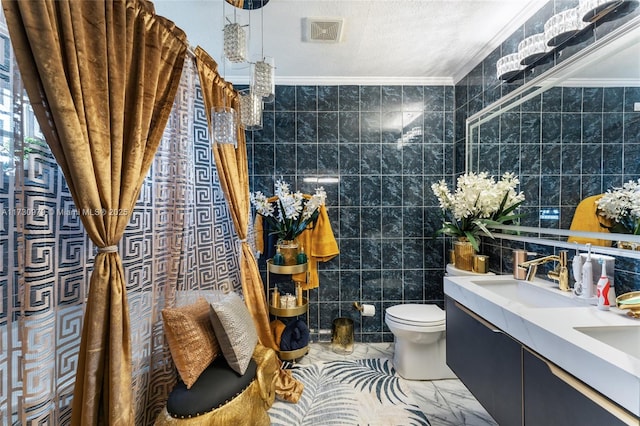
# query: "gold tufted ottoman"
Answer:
x=249 y=407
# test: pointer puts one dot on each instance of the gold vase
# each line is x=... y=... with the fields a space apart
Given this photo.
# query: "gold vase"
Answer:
x=342 y=336
x=628 y=246
x=464 y=252
x=289 y=250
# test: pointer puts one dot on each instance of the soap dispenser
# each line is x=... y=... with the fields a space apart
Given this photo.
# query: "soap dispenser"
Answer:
x=278 y=258
x=587 y=276
x=301 y=257
x=603 y=288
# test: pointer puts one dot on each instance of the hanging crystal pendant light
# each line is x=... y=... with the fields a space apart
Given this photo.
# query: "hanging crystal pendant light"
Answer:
x=263 y=72
x=250 y=110
x=235 y=42
x=224 y=125
x=224 y=120
x=263 y=81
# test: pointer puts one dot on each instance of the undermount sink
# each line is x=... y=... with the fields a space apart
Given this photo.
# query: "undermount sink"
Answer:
x=530 y=294
x=625 y=338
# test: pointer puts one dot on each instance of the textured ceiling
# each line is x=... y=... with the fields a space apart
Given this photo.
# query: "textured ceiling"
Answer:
x=384 y=41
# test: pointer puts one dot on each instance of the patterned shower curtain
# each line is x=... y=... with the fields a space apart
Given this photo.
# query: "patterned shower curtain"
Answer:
x=180 y=237
x=195 y=248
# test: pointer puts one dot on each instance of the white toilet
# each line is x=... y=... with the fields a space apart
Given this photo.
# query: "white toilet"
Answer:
x=419 y=338
x=419 y=348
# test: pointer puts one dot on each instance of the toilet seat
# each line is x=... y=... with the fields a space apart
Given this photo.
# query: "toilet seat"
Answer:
x=416 y=315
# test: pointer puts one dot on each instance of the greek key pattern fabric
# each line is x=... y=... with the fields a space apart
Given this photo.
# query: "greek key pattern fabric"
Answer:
x=180 y=237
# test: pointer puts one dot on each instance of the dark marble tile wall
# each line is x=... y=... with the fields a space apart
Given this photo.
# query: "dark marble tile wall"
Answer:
x=559 y=140
x=386 y=145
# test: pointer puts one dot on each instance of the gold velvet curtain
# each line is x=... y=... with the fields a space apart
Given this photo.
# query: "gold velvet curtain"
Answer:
x=101 y=77
x=233 y=169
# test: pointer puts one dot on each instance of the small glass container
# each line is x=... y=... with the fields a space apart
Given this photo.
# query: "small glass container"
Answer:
x=287 y=301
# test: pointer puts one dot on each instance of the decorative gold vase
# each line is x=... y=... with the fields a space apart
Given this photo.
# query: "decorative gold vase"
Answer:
x=628 y=246
x=342 y=336
x=464 y=252
x=289 y=250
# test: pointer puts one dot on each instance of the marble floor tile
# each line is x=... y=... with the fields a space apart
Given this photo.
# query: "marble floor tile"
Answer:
x=445 y=402
x=462 y=403
x=321 y=352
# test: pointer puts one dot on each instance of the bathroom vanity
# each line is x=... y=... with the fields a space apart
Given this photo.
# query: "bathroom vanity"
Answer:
x=533 y=355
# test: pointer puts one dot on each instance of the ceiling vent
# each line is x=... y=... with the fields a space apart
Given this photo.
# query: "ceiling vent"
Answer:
x=322 y=30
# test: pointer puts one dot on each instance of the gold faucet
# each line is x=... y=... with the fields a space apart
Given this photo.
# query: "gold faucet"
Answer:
x=560 y=273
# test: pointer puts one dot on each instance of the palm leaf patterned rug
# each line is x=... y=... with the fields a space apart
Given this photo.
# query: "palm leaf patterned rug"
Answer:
x=341 y=393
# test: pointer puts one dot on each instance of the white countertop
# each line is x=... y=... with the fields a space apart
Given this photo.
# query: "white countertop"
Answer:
x=550 y=332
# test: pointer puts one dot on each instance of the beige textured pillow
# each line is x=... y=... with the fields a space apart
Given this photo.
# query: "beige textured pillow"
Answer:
x=192 y=342
x=234 y=330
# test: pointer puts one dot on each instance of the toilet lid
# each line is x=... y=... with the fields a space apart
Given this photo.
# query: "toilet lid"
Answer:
x=417 y=314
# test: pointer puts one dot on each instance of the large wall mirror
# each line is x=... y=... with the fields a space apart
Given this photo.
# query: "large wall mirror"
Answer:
x=569 y=134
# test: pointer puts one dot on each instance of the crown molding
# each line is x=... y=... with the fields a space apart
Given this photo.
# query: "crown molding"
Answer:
x=350 y=81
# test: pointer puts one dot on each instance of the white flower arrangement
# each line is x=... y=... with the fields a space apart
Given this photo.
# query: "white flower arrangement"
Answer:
x=622 y=206
x=288 y=214
x=477 y=202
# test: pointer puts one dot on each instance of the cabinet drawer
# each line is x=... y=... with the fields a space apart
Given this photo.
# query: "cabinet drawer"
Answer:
x=552 y=397
x=487 y=361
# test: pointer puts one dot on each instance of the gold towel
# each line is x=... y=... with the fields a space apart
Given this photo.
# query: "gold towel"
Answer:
x=277 y=327
x=586 y=218
x=320 y=246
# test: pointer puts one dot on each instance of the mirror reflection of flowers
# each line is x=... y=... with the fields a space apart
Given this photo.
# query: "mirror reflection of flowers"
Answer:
x=288 y=213
x=478 y=201
x=622 y=207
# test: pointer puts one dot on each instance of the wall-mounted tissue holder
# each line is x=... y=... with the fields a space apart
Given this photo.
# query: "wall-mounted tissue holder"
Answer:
x=365 y=310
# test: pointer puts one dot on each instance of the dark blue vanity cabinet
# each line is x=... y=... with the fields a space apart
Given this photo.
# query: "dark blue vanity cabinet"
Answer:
x=487 y=361
x=518 y=386
x=552 y=397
